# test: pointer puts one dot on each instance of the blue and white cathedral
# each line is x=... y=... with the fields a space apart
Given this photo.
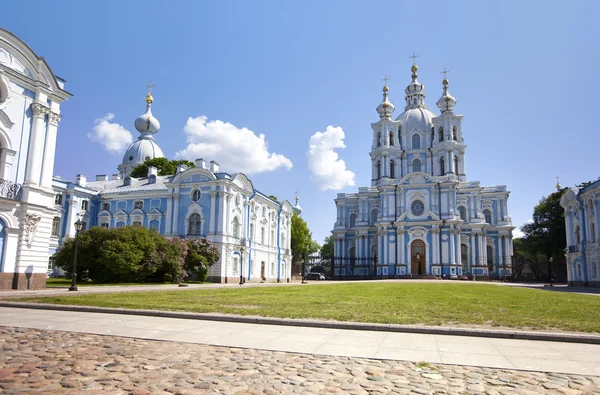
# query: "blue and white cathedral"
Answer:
x=421 y=216
x=250 y=229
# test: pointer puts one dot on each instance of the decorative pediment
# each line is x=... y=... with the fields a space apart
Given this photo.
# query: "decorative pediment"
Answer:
x=154 y=214
x=195 y=178
x=243 y=182
x=417 y=178
x=121 y=216
x=462 y=199
x=486 y=204
x=490 y=241
x=418 y=232
x=464 y=239
x=104 y=213
x=193 y=175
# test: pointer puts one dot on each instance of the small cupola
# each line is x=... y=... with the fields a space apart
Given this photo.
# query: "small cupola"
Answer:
x=446 y=103
x=386 y=108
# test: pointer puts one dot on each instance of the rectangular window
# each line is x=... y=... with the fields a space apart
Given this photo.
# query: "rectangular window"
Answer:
x=106 y=206
x=85 y=205
x=104 y=224
x=50 y=264
x=58 y=198
x=138 y=205
x=56 y=227
x=262 y=235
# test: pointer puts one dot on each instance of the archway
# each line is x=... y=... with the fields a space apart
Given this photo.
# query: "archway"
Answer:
x=417 y=254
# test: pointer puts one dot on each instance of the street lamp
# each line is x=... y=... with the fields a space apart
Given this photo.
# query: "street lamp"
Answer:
x=78 y=227
x=241 y=265
x=550 y=271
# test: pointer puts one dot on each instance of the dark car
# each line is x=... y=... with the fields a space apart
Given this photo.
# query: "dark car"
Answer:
x=315 y=276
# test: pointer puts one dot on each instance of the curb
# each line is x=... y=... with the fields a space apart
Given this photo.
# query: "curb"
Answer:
x=429 y=330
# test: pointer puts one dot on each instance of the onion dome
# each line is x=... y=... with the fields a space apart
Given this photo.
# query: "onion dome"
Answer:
x=297 y=207
x=386 y=108
x=446 y=103
x=415 y=92
x=147 y=124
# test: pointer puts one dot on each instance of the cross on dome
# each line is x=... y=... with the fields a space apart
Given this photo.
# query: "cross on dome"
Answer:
x=385 y=79
x=445 y=72
x=150 y=86
x=414 y=57
x=149 y=98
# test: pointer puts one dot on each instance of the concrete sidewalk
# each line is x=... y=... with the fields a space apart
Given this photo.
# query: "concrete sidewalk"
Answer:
x=571 y=358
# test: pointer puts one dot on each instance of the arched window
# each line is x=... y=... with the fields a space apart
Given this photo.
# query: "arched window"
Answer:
x=374 y=215
x=441 y=134
x=379 y=139
x=137 y=223
x=104 y=225
x=235 y=229
x=577 y=235
x=352 y=254
x=120 y=224
x=463 y=213
x=464 y=257
x=442 y=167
x=456 y=165
x=392 y=169
x=196 y=195
x=391 y=138
x=417 y=165
x=378 y=170
x=153 y=225
x=353 y=220
x=490 y=259
x=454 y=133
x=488 y=216
x=415 y=100
x=56 y=227
x=579 y=273
x=194 y=224
x=416 y=141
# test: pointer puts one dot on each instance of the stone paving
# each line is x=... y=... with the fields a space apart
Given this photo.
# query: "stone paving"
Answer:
x=58 y=362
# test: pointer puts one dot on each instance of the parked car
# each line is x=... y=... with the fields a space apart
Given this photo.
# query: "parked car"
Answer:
x=315 y=276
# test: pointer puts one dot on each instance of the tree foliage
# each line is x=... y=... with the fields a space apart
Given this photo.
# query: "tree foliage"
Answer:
x=546 y=235
x=165 y=167
x=327 y=248
x=301 y=238
x=273 y=197
x=136 y=254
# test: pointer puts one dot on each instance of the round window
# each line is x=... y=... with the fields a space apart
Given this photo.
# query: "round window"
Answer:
x=130 y=158
x=417 y=207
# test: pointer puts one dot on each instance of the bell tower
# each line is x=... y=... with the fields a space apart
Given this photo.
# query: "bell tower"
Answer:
x=385 y=151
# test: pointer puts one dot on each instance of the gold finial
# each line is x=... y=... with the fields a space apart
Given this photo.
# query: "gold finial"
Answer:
x=149 y=98
x=385 y=79
x=297 y=198
x=445 y=72
x=558 y=186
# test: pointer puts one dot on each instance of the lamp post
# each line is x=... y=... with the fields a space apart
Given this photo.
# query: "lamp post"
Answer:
x=550 y=271
x=242 y=264
x=78 y=226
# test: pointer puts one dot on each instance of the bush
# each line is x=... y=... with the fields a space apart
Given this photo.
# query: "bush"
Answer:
x=136 y=254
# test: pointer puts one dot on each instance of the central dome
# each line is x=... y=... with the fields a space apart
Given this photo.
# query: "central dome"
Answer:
x=416 y=118
x=141 y=150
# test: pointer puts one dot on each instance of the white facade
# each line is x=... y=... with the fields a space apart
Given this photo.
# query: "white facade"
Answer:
x=582 y=216
x=421 y=216
x=30 y=100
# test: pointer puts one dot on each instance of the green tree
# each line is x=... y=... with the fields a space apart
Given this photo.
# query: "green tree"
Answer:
x=546 y=235
x=301 y=238
x=327 y=248
x=201 y=255
x=273 y=197
x=165 y=167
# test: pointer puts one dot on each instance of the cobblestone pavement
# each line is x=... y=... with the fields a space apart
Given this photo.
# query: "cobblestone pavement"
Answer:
x=66 y=362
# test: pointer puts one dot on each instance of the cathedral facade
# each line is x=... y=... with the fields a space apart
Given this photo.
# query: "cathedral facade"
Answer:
x=421 y=216
x=250 y=229
x=583 y=247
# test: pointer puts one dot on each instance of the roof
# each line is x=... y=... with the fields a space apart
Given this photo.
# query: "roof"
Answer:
x=137 y=185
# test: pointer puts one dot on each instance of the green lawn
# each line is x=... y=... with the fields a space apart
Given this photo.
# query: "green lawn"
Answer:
x=66 y=282
x=443 y=303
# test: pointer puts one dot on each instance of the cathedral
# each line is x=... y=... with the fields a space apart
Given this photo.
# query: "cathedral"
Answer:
x=250 y=229
x=420 y=216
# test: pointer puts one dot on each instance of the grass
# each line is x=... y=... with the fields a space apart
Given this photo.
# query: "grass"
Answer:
x=453 y=304
x=66 y=282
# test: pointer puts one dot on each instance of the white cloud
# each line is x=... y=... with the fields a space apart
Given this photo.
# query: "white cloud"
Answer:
x=328 y=169
x=233 y=148
x=517 y=233
x=113 y=136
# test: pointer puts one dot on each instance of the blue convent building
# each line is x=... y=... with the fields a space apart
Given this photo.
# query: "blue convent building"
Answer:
x=420 y=216
x=250 y=229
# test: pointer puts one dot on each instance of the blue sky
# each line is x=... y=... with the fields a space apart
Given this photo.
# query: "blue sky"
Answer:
x=522 y=72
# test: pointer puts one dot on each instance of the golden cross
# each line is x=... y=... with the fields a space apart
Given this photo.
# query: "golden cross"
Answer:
x=150 y=86
x=414 y=57
x=445 y=72
x=385 y=79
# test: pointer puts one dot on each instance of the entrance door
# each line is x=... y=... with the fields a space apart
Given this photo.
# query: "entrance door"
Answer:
x=262 y=270
x=417 y=254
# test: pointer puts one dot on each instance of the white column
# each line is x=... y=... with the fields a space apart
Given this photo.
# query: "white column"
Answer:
x=227 y=225
x=435 y=235
x=169 y=216
x=458 y=248
x=211 y=223
x=50 y=149
x=176 y=196
x=452 y=248
x=401 y=245
x=70 y=229
x=36 y=142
